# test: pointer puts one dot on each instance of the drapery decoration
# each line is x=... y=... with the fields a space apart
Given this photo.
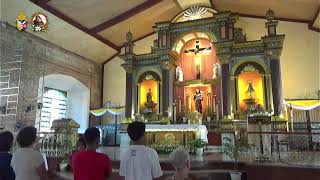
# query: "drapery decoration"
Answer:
x=113 y=111
x=303 y=104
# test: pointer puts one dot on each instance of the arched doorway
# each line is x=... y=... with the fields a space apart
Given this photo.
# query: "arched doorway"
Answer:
x=62 y=97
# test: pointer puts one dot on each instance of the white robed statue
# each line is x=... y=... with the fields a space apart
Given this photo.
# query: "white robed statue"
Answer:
x=179 y=73
x=216 y=71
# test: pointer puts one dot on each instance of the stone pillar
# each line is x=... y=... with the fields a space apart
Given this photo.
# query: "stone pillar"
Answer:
x=165 y=88
x=276 y=85
x=225 y=83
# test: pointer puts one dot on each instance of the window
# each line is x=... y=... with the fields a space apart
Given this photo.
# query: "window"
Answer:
x=54 y=107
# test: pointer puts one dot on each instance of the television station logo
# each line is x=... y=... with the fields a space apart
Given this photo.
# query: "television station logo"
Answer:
x=39 y=22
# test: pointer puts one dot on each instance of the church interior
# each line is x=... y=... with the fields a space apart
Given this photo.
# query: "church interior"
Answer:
x=212 y=76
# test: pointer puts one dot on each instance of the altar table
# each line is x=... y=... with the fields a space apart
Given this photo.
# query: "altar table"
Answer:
x=181 y=132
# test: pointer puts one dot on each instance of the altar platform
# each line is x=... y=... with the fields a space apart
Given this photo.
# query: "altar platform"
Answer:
x=213 y=166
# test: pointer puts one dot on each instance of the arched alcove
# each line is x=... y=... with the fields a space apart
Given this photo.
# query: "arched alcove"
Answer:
x=78 y=97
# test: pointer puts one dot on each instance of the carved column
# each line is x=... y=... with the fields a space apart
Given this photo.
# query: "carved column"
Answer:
x=165 y=88
x=224 y=54
x=129 y=80
x=225 y=83
x=128 y=94
x=276 y=85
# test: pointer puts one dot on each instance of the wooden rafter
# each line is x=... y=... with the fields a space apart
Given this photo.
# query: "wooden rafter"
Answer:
x=311 y=24
x=67 y=19
x=124 y=16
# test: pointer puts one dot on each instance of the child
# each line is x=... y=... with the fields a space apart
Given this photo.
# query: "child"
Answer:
x=139 y=162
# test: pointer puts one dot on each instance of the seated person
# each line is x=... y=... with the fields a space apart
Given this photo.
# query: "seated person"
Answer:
x=27 y=162
x=6 y=141
x=139 y=162
x=181 y=162
x=89 y=164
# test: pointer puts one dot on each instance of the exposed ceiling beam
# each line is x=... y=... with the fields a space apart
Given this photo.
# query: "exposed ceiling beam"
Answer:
x=125 y=15
x=67 y=19
x=311 y=25
x=277 y=18
x=213 y=2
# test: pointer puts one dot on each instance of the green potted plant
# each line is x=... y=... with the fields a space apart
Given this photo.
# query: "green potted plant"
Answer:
x=234 y=150
x=197 y=146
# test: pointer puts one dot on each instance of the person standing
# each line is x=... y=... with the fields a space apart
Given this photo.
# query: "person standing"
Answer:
x=6 y=141
x=89 y=164
x=26 y=162
x=139 y=162
x=180 y=160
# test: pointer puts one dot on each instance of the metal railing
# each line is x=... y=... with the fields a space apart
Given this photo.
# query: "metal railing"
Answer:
x=293 y=148
x=55 y=144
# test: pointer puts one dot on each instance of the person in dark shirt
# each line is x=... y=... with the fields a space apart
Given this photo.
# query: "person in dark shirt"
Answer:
x=6 y=171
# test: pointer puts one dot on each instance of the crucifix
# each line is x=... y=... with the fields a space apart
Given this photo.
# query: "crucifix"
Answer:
x=197 y=49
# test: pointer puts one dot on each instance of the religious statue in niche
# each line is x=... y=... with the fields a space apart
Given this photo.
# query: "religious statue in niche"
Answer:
x=179 y=73
x=149 y=96
x=198 y=98
x=250 y=89
x=149 y=104
x=216 y=71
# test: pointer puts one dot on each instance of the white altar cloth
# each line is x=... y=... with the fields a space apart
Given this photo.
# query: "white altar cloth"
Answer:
x=180 y=127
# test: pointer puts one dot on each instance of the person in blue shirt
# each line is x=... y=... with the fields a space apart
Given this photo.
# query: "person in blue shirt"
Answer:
x=6 y=141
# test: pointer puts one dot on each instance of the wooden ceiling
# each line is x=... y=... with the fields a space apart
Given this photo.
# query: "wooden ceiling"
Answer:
x=98 y=27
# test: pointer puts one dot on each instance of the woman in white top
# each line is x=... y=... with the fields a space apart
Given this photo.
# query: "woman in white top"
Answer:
x=27 y=163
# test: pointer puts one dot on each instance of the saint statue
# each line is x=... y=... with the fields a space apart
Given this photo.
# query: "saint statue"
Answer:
x=250 y=90
x=216 y=71
x=179 y=73
x=149 y=96
x=198 y=98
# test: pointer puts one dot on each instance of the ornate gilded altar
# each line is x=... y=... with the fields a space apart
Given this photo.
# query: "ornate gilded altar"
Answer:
x=205 y=53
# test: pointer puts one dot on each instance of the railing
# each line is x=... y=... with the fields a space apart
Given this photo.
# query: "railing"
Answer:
x=293 y=148
x=55 y=144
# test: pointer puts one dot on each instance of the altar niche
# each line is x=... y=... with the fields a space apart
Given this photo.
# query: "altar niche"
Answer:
x=197 y=82
x=251 y=88
x=148 y=93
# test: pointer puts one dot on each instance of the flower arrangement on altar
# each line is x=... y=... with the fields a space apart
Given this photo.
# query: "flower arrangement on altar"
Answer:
x=164 y=148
